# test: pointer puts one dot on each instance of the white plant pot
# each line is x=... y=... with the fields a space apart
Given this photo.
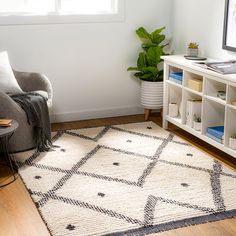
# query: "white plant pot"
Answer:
x=197 y=125
x=152 y=95
x=192 y=52
x=232 y=143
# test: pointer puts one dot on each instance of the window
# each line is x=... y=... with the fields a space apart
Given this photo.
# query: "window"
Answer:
x=59 y=11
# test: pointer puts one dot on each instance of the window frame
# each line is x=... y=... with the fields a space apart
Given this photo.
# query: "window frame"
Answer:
x=59 y=18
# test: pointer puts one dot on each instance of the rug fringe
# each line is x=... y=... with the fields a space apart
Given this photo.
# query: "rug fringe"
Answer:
x=177 y=224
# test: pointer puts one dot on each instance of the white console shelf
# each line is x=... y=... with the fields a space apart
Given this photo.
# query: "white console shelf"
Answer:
x=215 y=111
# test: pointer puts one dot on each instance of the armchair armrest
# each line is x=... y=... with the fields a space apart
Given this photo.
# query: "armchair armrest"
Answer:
x=8 y=108
x=33 y=82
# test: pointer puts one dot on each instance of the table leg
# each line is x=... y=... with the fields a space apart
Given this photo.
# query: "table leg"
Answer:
x=8 y=158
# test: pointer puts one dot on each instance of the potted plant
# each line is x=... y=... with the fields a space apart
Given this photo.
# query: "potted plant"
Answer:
x=193 y=49
x=149 y=68
x=197 y=122
x=232 y=141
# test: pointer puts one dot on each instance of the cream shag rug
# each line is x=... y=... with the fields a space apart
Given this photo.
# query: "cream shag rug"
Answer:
x=131 y=179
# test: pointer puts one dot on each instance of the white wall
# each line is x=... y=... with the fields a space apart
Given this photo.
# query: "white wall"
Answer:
x=199 y=21
x=87 y=63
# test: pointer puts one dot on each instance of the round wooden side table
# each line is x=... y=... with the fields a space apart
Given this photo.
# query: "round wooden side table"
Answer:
x=5 y=135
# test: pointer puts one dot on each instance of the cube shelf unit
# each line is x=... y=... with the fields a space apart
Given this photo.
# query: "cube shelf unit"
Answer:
x=215 y=111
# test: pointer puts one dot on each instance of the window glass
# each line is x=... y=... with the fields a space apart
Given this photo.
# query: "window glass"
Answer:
x=62 y=6
x=87 y=6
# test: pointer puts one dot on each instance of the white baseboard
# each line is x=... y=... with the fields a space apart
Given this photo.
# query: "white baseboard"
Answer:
x=94 y=114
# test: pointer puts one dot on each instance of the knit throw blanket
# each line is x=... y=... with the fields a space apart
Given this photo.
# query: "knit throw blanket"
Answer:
x=36 y=109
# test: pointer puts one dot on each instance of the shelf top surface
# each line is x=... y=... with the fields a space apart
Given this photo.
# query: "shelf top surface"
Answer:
x=181 y=61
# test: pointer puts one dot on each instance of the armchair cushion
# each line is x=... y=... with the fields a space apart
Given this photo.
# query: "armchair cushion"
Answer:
x=8 y=82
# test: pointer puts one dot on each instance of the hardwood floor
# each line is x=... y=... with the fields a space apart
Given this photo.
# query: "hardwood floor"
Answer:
x=19 y=216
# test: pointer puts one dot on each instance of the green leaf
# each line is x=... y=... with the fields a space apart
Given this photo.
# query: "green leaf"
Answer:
x=147 y=76
x=146 y=46
x=160 y=75
x=150 y=69
x=142 y=60
x=154 y=55
x=132 y=69
x=143 y=34
x=153 y=70
x=138 y=74
x=159 y=38
x=157 y=31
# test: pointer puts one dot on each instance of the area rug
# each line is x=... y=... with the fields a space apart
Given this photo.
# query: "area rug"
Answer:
x=132 y=179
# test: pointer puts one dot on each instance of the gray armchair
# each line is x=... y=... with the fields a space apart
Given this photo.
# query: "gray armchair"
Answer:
x=24 y=138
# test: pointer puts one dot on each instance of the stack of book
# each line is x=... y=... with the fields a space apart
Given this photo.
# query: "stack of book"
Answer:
x=194 y=108
x=216 y=133
x=5 y=122
x=176 y=77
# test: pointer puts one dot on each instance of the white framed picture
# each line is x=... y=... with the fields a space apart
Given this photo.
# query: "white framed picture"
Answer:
x=229 y=37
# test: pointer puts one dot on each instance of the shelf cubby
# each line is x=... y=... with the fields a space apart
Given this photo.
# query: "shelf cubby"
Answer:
x=230 y=128
x=213 y=114
x=173 y=69
x=176 y=79
x=188 y=76
x=175 y=96
x=231 y=96
x=211 y=88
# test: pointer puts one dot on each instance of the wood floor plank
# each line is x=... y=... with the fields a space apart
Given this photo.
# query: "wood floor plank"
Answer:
x=19 y=216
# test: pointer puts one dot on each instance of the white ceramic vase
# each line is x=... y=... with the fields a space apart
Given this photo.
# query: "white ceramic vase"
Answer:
x=152 y=94
x=232 y=143
x=173 y=110
x=197 y=125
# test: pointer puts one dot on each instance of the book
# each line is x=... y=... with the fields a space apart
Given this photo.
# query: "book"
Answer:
x=194 y=107
x=5 y=122
x=223 y=67
x=176 y=80
x=219 y=140
x=217 y=131
x=177 y=75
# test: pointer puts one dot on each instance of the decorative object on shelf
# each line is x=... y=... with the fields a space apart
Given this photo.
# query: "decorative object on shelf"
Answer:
x=216 y=133
x=192 y=49
x=232 y=142
x=173 y=110
x=149 y=68
x=197 y=122
x=195 y=84
x=221 y=95
x=229 y=35
x=176 y=77
x=194 y=108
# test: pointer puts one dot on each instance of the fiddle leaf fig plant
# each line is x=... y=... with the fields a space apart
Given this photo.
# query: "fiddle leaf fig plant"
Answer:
x=148 y=63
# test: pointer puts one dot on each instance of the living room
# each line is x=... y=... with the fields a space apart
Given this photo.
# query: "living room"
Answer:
x=104 y=153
